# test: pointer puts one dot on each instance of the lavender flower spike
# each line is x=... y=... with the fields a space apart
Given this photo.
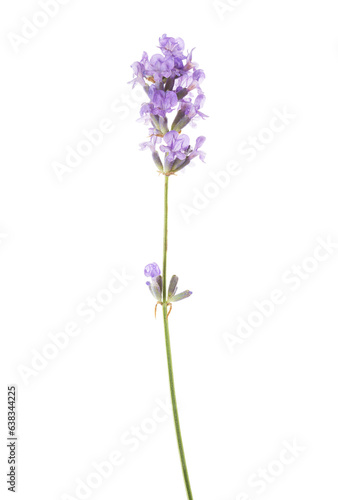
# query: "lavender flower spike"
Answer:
x=172 y=83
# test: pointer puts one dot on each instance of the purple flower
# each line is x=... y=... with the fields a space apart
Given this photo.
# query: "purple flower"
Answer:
x=159 y=67
x=192 y=109
x=164 y=102
x=191 y=154
x=160 y=104
x=177 y=146
x=195 y=152
x=152 y=270
x=191 y=81
x=172 y=46
x=139 y=71
x=189 y=64
x=154 y=139
x=188 y=111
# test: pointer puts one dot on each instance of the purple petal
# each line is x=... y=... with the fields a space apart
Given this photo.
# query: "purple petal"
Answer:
x=152 y=270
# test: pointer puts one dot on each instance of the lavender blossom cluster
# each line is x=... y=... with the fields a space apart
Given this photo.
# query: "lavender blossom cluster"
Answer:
x=172 y=83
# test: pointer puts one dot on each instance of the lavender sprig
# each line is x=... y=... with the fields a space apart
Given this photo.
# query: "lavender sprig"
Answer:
x=172 y=83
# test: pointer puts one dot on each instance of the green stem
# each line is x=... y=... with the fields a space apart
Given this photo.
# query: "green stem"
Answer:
x=168 y=348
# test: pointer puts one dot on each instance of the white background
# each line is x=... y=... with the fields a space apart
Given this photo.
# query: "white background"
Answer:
x=61 y=240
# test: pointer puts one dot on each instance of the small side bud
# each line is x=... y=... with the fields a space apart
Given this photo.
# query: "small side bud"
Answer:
x=157 y=161
x=181 y=296
x=172 y=287
x=179 y=116
x=156 y=287
x=182 y=93
x=169 y=84
x=163 y=124
x=178 y=165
